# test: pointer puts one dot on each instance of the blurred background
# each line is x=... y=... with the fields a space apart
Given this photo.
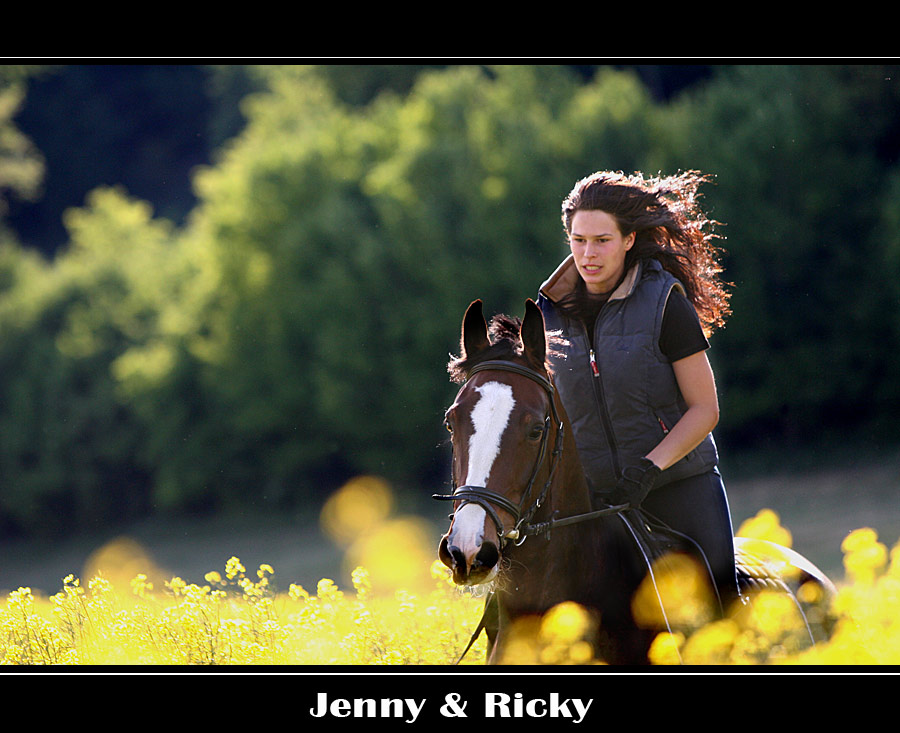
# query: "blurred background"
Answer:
x=228 y=293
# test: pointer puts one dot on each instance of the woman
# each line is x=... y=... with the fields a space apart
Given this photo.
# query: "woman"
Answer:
x=635 y=302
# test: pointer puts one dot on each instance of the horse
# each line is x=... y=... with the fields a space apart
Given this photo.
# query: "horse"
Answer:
x=523 y=524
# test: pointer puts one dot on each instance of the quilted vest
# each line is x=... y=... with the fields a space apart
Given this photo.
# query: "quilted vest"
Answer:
x=622 y=399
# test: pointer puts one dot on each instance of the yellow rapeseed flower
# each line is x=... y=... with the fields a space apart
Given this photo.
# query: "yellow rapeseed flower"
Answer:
x=140 y=586
x=417 y=625
x=327 y=590
x=233 y=568
x=677 y=593
x=765 y=525
x=361 y=582
x=665 y=648
x=566 y=623
x=712 y=644
x=176 y=585
x=358 y=507
x=864 y=555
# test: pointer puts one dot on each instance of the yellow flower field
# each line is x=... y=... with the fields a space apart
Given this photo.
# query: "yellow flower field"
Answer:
x=238 y=617
x=235 y=619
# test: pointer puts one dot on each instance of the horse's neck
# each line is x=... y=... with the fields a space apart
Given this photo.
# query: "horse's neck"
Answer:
x=570 y=492
x=549 y=568
x=545 y=566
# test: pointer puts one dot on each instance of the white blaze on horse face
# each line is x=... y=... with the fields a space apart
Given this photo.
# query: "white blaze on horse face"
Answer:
x=490 y=417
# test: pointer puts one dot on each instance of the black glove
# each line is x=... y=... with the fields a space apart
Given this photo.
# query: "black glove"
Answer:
x=635 y=483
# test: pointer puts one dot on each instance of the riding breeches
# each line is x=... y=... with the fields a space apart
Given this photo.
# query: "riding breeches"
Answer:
x=697 y=507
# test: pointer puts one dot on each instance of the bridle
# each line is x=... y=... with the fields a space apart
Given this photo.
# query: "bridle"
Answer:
x=522 y=516
x=487 y=499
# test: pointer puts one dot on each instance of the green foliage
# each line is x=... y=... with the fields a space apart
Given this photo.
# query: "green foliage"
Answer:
x=294 y=330
x=68 y=444
x=21 y=165
x=799 y=152
x=350 y=240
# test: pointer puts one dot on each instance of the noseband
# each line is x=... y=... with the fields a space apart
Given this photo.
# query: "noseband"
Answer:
x=487 y=499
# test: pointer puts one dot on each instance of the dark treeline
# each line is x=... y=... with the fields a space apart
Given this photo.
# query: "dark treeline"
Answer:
x=146 y=127
x=233 y=287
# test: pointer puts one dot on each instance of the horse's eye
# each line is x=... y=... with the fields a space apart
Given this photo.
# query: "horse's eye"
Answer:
x=447 y=425
x=536 y=432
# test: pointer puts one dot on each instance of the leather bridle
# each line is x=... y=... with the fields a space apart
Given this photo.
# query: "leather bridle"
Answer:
x=487 y=499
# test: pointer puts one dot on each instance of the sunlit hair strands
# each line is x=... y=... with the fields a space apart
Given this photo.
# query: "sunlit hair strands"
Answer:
x=669 y=225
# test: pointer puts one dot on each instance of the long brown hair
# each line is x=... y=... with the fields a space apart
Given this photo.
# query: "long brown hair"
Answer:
x=669 y=226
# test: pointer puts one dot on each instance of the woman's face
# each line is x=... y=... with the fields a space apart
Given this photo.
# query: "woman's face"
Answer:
x=599 y=250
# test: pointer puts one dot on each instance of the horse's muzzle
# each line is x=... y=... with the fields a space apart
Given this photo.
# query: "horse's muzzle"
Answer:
x=469 y=569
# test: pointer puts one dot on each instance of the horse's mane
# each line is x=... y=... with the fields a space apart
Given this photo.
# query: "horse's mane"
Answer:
x=503 y=334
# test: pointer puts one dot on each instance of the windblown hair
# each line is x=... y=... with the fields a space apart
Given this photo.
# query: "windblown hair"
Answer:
x=503 y=334
x=669 y=226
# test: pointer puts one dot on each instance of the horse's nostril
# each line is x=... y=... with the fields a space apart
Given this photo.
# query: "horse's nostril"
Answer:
x=466 y=570
x=451 y=555
x=488 y=555
x=459 y=559
x=444 y=552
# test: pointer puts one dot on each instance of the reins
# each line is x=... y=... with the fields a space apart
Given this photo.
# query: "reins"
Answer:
x=488 y=500
x=523 y=527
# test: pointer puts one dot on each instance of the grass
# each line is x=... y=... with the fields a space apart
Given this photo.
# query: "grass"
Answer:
x=820 y=504
x=358 y=585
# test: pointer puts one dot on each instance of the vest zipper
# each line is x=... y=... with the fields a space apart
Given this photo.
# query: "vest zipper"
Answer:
x=604 y=411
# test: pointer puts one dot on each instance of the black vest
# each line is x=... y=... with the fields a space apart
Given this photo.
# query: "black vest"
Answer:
x=622 y=401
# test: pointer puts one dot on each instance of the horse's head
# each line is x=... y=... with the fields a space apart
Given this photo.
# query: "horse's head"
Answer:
x=504 y=428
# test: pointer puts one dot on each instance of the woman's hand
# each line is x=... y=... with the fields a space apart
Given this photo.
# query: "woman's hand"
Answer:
x=698 y=387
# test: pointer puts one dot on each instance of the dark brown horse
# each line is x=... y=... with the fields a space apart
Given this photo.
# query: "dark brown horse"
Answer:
x=522 y=516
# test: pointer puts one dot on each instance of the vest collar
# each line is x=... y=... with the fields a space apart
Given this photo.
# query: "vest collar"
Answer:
x=564 y=278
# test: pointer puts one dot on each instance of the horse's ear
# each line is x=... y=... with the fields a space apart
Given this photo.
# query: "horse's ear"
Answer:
x=474 y=330
x=534 y=338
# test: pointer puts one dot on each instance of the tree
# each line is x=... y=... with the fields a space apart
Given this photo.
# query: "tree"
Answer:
x=801 y=155
x=21 y=164
x=348 y=240
x=70 y=445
